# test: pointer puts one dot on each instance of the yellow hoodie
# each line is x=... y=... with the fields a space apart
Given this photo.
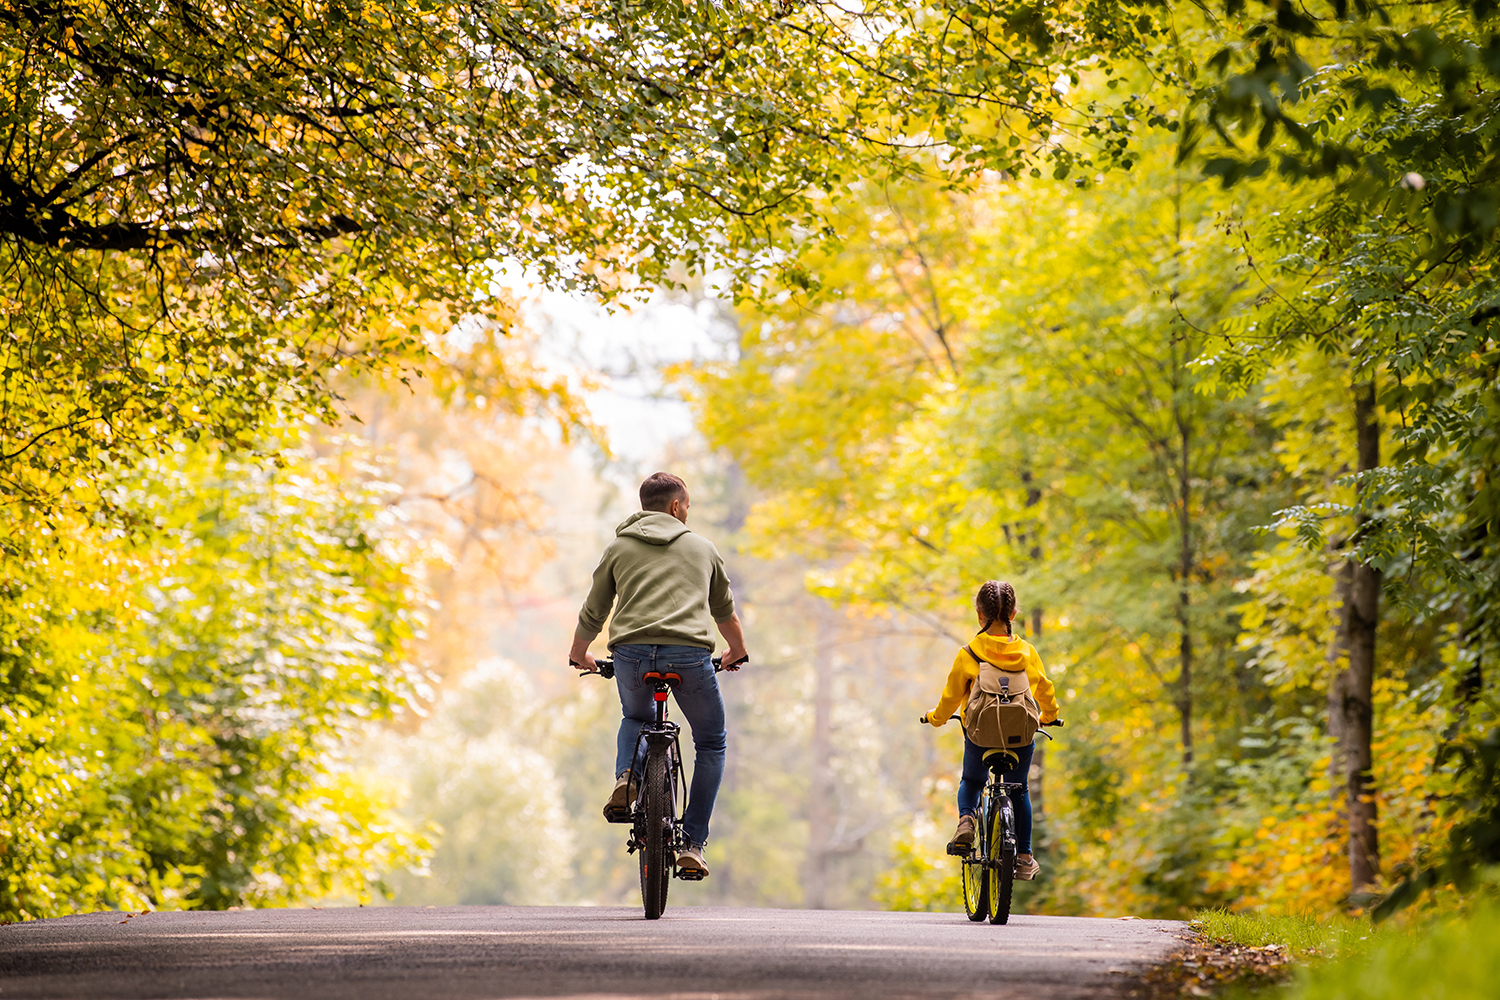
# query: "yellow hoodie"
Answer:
x=1005 y=652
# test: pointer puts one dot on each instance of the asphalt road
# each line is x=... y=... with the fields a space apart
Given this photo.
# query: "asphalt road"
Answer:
x=692 y=953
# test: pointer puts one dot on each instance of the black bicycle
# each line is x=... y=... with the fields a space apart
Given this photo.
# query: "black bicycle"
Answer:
x=655 y=776
x=989 y=864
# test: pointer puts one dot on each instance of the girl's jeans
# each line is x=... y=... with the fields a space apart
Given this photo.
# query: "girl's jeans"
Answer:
x=974 y=777
x=698 y=698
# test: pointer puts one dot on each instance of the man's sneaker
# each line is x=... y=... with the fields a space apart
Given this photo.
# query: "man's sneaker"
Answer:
x=963 y=840
x=690 y=863
x=1026 y=867
x=617 y=809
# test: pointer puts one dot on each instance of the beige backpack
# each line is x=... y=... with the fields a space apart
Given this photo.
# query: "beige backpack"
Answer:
x=1001 y=712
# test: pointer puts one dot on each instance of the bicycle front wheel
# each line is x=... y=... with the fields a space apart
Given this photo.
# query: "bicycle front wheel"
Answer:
x=656 y=844
x=976 y=876
x=1002 y=856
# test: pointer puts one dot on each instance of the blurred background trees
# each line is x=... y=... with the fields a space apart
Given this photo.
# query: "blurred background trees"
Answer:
x=1177 y=316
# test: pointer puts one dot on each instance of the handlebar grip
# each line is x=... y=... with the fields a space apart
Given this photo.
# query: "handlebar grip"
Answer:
x=604 y=668
x=1054 y=722
x=952 y=718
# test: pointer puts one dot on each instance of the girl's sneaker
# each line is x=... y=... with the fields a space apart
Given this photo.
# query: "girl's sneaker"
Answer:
x=963 y=838
x=1026 y=867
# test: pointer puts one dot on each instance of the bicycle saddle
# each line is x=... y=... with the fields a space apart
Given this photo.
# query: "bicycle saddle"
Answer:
x=671 y=679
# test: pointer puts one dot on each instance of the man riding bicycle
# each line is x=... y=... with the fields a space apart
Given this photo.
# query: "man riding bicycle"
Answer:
x=666 y=584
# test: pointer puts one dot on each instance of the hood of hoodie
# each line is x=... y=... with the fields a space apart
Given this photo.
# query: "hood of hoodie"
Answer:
x=652 y=526
x=1005 y=652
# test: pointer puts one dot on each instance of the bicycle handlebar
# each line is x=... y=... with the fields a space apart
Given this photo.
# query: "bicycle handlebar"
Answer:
x=1054 y=722
x=606 y=668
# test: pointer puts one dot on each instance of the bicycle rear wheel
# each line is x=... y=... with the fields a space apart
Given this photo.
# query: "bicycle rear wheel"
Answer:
x=1002 y=855
x=656 y=844
x=976 y=876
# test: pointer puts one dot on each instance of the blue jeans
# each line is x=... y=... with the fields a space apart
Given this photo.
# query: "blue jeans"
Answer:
x=974 y=778
x=698 y=698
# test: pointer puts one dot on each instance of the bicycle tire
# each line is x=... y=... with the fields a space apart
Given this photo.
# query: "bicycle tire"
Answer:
x=975 y=874
x=656 y=860
x=1002 y=855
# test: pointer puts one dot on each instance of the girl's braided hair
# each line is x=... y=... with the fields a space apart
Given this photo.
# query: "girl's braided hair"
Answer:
x=995 y=601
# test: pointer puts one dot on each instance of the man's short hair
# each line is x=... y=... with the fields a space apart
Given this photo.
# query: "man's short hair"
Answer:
x=660 y=489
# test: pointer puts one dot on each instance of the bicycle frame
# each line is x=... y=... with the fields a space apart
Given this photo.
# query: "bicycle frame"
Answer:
x=996 y=794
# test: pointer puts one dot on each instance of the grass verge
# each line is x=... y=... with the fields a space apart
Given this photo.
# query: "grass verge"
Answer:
x=1453 y=957
x=1302 y=937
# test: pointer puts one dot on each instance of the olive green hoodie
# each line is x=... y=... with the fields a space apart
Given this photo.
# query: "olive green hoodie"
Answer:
x=670 y=582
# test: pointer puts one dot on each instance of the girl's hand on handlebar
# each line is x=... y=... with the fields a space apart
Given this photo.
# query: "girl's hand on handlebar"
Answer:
x=1054 y=722
x=928 y=722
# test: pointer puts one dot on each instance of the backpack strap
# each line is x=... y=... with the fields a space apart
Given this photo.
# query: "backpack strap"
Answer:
x=973 y=654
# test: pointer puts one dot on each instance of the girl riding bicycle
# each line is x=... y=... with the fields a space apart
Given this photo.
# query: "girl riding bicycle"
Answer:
x=996 y=643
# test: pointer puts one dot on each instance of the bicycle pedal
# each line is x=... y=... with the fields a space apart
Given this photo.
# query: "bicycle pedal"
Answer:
x=691 y=874
x=958 y=850
x=616 y=815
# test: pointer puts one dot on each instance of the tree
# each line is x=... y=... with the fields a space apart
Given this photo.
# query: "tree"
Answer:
x=210 y=212
x=1006 y=385
x=171 y=711
x=1081 y=428
x=1387 y=259
x=475 y=771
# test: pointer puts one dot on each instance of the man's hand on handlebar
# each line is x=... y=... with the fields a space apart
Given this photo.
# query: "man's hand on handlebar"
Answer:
x=586 y=666
x=733 y=659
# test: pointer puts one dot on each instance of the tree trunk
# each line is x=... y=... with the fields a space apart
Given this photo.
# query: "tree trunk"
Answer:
x=1338 y=680
x=1039 y=756
x=821 y=815
x=1471 y=682
x=1185 y=684
x=1361 y=615
x=1184 y=596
